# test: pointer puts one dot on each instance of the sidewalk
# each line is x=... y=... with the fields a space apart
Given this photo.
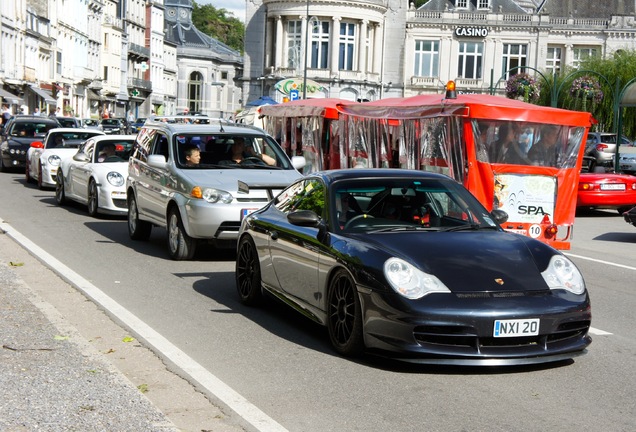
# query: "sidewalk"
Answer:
x=56 y=376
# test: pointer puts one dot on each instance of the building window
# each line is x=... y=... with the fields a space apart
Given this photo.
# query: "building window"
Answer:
x=483 y=4
x=320 y=44
x=106 y=73
x=461 y=4
x=553 y=60
x=347 y=46
x=514 y=57
x=470 y=58
x=294 y=39
x=580 y=54
x=224 y=75
x=58 y=62
x=426 y=58
x=194 y=92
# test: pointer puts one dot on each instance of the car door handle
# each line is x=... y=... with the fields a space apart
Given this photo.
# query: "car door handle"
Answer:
x=273 y=235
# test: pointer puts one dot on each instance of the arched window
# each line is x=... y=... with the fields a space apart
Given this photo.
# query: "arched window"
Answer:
x=195 y=92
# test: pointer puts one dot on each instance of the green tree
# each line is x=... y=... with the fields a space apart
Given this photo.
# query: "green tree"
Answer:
x=219 y=24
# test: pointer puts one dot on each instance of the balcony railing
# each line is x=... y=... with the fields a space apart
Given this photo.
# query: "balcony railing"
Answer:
x=139 y=83
x=139 y=50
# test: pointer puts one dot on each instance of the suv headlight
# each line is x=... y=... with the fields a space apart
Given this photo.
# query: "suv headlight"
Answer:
x=411 y=282
x=563 y=274
x=211 y=195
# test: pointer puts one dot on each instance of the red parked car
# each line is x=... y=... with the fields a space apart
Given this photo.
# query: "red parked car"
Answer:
x=605 y=190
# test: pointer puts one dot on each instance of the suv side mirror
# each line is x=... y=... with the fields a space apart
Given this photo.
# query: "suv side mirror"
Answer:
x=157 y=161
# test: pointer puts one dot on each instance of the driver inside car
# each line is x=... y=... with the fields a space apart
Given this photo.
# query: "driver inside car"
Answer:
x=241 y=152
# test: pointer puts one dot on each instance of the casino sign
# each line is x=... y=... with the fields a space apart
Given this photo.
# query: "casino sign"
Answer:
x=471 y=32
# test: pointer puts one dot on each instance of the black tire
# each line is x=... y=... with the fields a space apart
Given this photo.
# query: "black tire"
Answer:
x=248 y=273
x=27 y=171
x=180 y=245
x=60 y=194
x=624 y=209
x=2 y=169
x=137 y=229
x=344 y=315
x=40 y=184
x=92 y=198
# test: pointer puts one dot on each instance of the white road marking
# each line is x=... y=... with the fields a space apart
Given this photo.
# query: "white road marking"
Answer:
x=601 y=261
x=236 y=402
x=599 y=332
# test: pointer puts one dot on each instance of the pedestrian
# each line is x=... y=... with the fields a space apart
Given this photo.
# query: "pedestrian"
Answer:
x=130 y=120
x=58 y=112
x=6 y=113
x=36 y=112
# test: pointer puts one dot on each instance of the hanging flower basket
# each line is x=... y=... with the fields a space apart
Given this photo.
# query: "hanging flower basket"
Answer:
x=523 y=86
x=587 y=87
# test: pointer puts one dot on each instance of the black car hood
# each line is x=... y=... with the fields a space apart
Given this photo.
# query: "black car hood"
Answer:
x=471 y=261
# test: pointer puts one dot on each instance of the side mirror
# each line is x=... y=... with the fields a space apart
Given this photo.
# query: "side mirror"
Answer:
x=81 y=157
x=306 y=218
x=37 y=144
x=157 y=161
x=298 y=162
x=499 y=216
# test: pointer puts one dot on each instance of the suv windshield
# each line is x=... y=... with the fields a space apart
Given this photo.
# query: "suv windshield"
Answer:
x=227 y=151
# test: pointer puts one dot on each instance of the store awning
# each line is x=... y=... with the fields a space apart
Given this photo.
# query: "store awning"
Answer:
x=10 y=98
x=92 y=94
x=44 y=94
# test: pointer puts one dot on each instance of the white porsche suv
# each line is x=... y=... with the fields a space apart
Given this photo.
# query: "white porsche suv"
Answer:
x=198 y=180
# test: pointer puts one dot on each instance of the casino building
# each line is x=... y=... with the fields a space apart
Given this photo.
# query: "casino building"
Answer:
x=372 y=49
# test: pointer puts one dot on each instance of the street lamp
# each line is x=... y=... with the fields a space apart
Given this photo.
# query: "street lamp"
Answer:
x=306 y=52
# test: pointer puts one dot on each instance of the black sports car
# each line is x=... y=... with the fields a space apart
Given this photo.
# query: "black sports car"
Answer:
x=630 y=216
x=410 y=264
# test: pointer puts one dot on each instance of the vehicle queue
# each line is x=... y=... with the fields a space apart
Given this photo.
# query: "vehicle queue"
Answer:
x=372 y=241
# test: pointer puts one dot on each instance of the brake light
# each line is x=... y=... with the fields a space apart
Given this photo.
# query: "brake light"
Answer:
x=601 y=147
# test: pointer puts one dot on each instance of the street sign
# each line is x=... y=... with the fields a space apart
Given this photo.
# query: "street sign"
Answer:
x=294 y=95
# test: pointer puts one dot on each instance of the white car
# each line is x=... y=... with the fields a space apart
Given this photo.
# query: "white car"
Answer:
x=96 y=175
x=43 y=157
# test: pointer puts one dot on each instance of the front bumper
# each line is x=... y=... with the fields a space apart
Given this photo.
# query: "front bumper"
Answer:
x=449 y=329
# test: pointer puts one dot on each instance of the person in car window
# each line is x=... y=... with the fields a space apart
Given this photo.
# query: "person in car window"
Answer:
x=544 y=151
x=107 y=153
x=192 y=155
x=240 y=152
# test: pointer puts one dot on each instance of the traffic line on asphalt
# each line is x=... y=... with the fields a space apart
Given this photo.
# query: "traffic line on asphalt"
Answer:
x=227 y=395
x=601 y=261
x=599 y=332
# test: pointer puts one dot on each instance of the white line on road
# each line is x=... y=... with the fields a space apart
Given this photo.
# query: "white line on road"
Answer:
x=599 y=332
x=210 y=382
x=601 y=261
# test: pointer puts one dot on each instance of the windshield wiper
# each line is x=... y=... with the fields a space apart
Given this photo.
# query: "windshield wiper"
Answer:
x=404 y=228
x=472 y=227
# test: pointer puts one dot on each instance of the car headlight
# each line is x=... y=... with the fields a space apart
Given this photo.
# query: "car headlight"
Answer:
x=54 y=160
x=563 y=274
x=211 y=195
x=410 y=281
x=115 y=178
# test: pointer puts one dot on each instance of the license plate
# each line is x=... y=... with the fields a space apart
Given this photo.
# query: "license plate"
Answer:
x=613 y=186
x=245 y=212
x=516 y=328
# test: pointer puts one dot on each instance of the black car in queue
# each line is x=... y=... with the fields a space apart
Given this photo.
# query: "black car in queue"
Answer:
x=18 y=134
x=410 y=265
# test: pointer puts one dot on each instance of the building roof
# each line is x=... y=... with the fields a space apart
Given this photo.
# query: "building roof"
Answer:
x=181 y=31
x=503 y=6
x=587 y=8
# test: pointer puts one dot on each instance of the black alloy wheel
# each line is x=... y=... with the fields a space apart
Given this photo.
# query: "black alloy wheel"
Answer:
x=344 y=315
x=60 y=195
x=248 y=273
x=93 y=198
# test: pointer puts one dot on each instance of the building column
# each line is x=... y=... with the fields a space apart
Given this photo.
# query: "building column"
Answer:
x=334 y=45
x=362 y=47
x=279 y=42
x=378 y=46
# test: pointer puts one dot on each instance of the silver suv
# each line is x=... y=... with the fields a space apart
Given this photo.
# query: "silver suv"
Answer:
x=199 y=180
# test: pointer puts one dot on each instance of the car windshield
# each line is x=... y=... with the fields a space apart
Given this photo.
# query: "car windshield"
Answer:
x=67 y=139
x=91 y=122
x=67 y=122
x=113 y=150
x=31 y=129
x=203 y=151
x=406 y=204
x=110 y=122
